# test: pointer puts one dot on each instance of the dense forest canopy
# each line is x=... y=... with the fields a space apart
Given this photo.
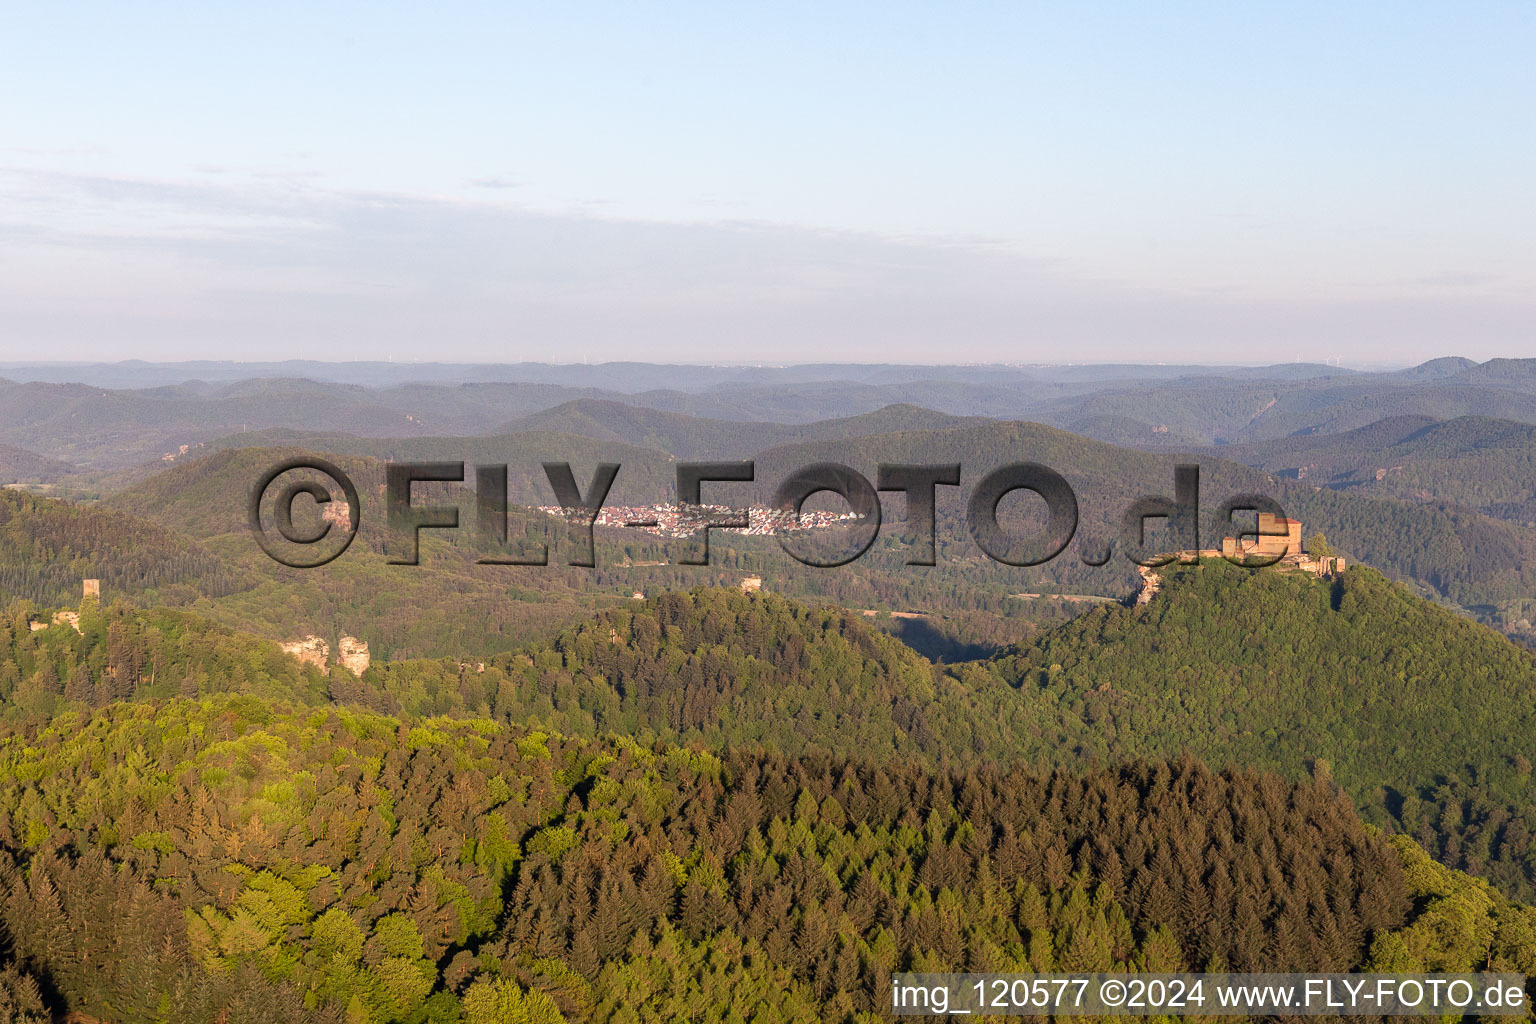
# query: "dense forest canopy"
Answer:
x=282 y=863
x=1419 y=714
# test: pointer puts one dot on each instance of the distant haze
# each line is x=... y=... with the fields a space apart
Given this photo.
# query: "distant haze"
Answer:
x=633 y=377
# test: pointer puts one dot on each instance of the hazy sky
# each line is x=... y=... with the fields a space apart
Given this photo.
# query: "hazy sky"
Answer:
x=926 y=182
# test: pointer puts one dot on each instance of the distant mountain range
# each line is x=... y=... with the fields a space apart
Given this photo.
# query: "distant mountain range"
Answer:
x=624 y=377
x=145 y=413
x=698 y=437
x=17 y=465
x=1476 y=462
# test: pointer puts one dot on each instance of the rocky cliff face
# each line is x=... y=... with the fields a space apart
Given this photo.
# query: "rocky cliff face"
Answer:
x=352 y=654
x=311 y=650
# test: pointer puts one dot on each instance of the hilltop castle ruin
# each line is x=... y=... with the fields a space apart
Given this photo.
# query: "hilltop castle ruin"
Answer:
x=1278 y=543
x=1280 y=538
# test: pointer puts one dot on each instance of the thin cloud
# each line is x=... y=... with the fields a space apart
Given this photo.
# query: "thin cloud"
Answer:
x=243 y=268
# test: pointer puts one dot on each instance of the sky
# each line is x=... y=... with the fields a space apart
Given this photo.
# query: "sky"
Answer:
x=974 y=182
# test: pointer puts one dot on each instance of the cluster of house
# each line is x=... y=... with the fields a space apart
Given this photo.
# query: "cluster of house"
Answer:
x=687 y=520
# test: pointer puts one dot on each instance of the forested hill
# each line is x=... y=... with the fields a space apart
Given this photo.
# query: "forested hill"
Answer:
x=1477 y=463
x=400 y=611
x=20 y=465
x=1421 y=714
x=233 y=465
x=208 y=496
x=247 y=861
x=700 y=437
x=724 y=668
x=1467 y=557
x=122 y=653
x=713 y=666
x=256 y=842
x=48 y=546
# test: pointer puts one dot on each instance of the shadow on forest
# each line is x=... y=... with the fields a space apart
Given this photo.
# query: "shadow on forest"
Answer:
x=927 y=638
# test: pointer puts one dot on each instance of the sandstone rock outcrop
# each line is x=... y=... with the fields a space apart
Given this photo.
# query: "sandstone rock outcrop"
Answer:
x=311 y=650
